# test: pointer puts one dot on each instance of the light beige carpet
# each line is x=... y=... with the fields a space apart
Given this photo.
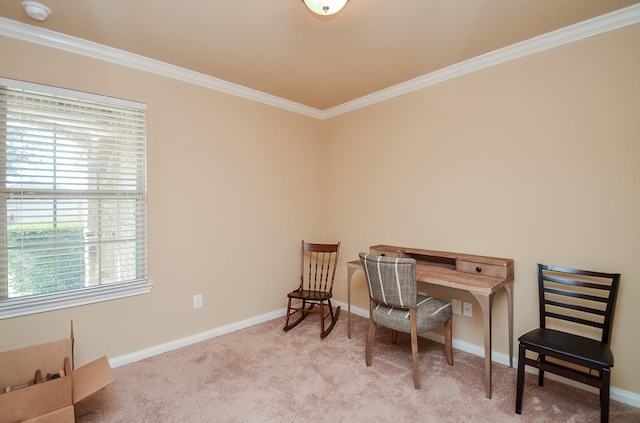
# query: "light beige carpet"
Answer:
x=262 y=374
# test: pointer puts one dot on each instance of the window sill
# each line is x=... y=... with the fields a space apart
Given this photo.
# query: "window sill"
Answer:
x=38 y=304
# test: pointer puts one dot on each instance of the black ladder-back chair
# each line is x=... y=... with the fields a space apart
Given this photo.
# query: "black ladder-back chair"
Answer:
x=584 y=301
x=317 y=271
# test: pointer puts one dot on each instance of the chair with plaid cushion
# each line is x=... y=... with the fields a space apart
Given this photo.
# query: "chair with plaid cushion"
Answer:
x=396 y=304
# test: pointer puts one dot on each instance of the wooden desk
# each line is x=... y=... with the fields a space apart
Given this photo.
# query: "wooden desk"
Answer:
x=479 y=275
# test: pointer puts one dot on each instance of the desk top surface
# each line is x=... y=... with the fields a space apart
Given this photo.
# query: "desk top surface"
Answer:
x=476 y=274
x=451 y=278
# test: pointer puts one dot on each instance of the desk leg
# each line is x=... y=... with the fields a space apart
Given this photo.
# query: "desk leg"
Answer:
x=485 y=304
x=350 y=271
x=509 y=289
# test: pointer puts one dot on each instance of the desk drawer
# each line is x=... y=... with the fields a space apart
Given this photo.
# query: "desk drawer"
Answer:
x=387 y=253
x=481 y=269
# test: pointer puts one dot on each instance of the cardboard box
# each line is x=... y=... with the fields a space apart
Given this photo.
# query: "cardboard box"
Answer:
x=32 y=398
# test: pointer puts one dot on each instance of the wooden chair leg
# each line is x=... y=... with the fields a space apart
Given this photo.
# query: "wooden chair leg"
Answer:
x=334 y=319
x=520 y=383
x=286 y=320
x=414 y=348
x=605 y=375
x=448 y=340
x=394 y=337
x=370 y=335
x=322 y=317
x=304 y=312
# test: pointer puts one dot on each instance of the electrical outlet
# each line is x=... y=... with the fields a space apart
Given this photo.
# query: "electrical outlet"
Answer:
x=197 y=301
x=456 y=306
x=467 y=309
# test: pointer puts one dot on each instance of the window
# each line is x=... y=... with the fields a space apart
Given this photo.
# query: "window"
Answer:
x=72 y=198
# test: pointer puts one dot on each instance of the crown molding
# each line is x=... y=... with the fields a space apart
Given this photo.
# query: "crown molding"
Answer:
x=598 y=25
x=33 y=34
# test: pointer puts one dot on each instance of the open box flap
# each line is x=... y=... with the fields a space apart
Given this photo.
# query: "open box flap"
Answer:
x=91 y=378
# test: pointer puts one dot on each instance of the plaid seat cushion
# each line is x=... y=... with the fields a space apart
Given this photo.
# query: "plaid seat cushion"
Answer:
x=430 y=313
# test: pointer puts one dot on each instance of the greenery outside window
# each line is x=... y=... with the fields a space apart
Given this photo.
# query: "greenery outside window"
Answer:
x=72 y=198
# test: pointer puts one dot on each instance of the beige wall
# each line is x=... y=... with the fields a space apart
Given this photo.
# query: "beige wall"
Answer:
x=537 y=159
x=505 y=162
x=230 y=197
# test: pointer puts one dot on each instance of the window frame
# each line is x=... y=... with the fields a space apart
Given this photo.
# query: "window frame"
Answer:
x=20 y=306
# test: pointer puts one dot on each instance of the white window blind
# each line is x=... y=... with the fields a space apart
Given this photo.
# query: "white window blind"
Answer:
x=72 y=200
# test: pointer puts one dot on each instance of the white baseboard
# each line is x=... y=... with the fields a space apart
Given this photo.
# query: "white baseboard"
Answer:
x=617 y=394
x=625 y=397
x=199 y=337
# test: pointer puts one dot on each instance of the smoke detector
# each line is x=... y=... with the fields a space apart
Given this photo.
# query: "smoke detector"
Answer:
x=35 y=10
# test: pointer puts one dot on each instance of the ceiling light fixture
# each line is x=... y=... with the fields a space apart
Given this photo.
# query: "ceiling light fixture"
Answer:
x=36 y=10
x=325 y=7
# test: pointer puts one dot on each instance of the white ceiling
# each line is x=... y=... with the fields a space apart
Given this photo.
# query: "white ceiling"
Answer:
x=280 y=48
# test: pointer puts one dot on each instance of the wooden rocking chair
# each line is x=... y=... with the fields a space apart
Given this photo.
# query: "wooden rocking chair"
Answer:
x=317 y=271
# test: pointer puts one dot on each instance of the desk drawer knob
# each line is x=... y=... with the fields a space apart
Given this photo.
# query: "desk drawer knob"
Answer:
x=478 y=269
